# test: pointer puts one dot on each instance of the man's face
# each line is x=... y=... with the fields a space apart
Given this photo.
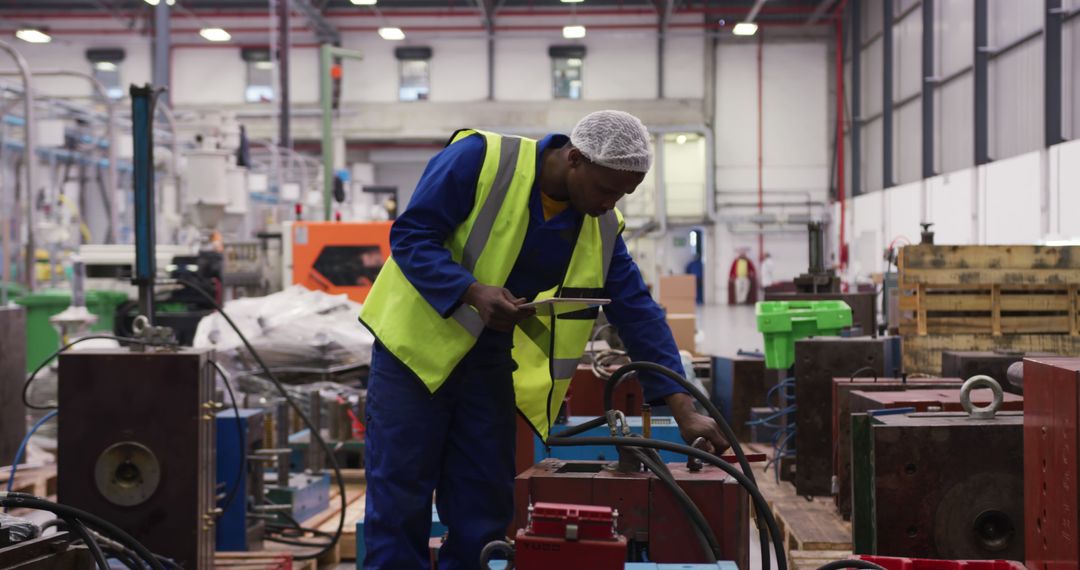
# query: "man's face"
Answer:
x=595 y=189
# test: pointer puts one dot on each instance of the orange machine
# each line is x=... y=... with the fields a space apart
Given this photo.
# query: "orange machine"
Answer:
x=336 y=257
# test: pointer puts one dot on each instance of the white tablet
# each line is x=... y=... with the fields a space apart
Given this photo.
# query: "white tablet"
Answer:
x=563 y=305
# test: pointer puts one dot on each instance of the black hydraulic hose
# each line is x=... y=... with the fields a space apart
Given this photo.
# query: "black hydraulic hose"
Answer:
x=702 y=530
x=497 y=546
x=79 y=529
x=22 y=500
x=760 y=504
x=852 y=563
x=299 y=411
x=714 y=412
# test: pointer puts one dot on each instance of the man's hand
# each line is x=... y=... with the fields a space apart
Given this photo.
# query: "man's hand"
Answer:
x=499 y=309
x=693 y=425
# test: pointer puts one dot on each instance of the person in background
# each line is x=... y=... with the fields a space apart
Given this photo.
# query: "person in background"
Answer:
x=498 y=221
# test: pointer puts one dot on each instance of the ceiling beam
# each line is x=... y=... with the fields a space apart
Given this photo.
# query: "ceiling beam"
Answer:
x=758 y=5
x=324 y=30
x=819 y=11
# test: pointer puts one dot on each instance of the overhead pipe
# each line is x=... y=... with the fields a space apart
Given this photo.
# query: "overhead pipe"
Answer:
x=31 y=163
x=842 y=254
x=110 y=109
x=760 y=145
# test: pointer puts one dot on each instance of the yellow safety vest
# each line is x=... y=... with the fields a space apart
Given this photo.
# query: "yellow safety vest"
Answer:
x=546 y=349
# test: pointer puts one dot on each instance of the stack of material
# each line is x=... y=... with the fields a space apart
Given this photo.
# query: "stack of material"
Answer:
x=678 y=295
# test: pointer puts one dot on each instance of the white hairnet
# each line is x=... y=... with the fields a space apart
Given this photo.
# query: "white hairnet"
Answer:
x=613 y=139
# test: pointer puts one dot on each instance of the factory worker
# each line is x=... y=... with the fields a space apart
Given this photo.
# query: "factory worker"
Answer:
x=496 y=222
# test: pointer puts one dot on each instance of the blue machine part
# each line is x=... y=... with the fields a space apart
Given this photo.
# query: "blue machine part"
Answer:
x=232 y=441
x=310 y=494
x=663 y=428
x=723 y=373
x=894 y=364
x=437 y=529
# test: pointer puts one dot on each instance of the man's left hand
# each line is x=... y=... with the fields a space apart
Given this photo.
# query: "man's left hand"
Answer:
x=693 y=425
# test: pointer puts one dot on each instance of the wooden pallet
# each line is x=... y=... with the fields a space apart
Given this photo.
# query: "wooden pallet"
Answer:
x=261 y=560
x=37 y=481
x=1017 y=298
x=807 y=525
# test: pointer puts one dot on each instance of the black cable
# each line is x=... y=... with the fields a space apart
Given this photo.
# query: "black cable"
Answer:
x=23 y=500
x=79 y=529
x=760 y=504
x=44 y=363
x=852 y=563
x=702 y=530
x=300 y=412
x=497 y=546
x=231 y=495
x=122 y=553
x=714 y=412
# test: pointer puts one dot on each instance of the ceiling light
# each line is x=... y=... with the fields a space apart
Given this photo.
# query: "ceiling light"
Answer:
x=105 y=66
x=156 y=2
x=573 y=32
x=392 y=34
x=364 y=2
x=33 y=36
x=264 y=65
x=574 y=62
x=681 y=139
x=572 y=1
x=745 y=29
x=215 y=34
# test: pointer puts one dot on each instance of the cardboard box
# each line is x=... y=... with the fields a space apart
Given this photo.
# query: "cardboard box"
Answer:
x=683 y=327
x=678 y=293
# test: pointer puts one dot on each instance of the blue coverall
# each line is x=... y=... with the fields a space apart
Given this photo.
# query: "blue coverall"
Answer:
x=459 y=442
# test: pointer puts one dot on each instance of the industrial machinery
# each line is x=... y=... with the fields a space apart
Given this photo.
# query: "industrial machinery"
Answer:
x=817 y=362
x=662 y=428
x=586 y=395
x=650 y=517
x=1052 y=517
x=817 y=279
x=12 y=371
x=841 y=430
x=741 y=383
x=940 y=485
x=47 y=553
x=240 y=435
x=994 y=364
x=156 y=483
x=335 y=257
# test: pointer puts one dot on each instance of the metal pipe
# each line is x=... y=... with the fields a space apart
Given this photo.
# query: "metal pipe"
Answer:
x=887 y=180
x=928 y=86
x=162 y=70
x=31 y=161
x=284 y=132
x=326 y=54
x=111 y=175
x=982 y=73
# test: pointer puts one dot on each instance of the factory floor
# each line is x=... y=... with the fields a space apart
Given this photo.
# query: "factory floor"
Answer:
x=724 y=329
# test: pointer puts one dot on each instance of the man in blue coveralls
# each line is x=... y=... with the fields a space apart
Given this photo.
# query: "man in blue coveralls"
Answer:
x=495 y=222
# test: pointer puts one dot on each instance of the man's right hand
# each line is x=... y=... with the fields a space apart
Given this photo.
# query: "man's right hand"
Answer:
x=497 y=307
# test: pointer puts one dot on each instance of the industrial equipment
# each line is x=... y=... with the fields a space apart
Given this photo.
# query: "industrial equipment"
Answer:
x=649 y=515
x=841 y=429
x=740 y=383
x=817 y=362
x=335 y=257
x=47 y=553
x=136 y=445
x=240 y=435
x=1051 y=415
x=12 y=374
x=662 y=428
x=559 y=534
x=817 y=279
x=586 y=395
x=940 y=485
x=947 y=399
x=994 y=364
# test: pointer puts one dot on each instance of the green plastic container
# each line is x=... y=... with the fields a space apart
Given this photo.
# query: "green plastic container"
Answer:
x=14 y=291
x=784 y=322
x=41 y=338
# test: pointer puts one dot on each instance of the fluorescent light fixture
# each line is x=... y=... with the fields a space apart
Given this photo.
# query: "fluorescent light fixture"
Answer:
x=364 y=2
x=156 y=2
x=264 y=65
x=572 y=1
x=744 y=29
x=574 y=62
x=105 y=66
x=33 y=36
x=681 y=139
x=573 y=32
x=392 y=34
x=215 y=34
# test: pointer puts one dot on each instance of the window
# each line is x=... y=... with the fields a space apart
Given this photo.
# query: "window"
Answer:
x=260 y=75
x=415 y=80
x=105 y=67
x=566 y=64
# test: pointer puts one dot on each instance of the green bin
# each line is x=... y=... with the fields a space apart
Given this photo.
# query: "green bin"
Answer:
x=784 y=322
x=41 y=338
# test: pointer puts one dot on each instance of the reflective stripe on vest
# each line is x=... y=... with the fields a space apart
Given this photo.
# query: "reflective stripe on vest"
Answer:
x=487 y=244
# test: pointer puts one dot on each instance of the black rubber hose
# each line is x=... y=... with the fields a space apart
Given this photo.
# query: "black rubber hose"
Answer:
x=79 y=529
x=702 y=530
x=852 y=563
x=497 y=546
x=760 y=504
x=299 y=411
x=714 y=412
x=22 y=500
